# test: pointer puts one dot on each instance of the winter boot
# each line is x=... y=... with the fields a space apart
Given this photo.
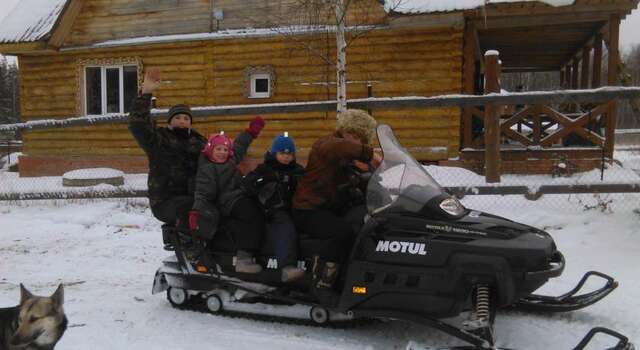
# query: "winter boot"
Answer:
x=167 y=231
x=245 y=263
x=291 y=273
x=324 y=277
x=192 y=247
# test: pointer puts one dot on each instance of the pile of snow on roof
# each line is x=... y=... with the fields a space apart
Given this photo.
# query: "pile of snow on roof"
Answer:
x=429 y=6
x=30 y=20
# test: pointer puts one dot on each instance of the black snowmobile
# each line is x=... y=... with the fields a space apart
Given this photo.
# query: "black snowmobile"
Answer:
x=420 y=256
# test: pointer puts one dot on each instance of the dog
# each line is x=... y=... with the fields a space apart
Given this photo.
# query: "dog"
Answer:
x=37 y=323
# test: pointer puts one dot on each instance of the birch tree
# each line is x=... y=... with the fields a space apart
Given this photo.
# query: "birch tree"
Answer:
x=329 y=17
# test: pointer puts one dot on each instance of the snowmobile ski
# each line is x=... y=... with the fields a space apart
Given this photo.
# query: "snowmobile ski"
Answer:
x=571 y=300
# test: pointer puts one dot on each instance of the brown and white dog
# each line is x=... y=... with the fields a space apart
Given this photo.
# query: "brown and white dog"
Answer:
x=36 y=324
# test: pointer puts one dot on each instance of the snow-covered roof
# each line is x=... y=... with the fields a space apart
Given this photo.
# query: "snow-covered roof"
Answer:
x=429 y=6
x=30 y=20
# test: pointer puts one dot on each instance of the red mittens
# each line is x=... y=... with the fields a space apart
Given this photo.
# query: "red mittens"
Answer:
x=193 y=220
x=255 y=126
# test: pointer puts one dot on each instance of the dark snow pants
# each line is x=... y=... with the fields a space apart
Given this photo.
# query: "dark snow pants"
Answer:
x=281 y=239
x=334 y=232
x=174 y=209
x=246 y=224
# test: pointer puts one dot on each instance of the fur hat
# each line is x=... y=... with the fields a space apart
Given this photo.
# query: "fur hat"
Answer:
x=179 y=109
x=215 y=140
x=357 y=122
x=283 y=143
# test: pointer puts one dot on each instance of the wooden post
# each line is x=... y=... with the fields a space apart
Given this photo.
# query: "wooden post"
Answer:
x=612 y=79
x=574 y=73
x=491 y=119
x=468 y=81
x=586 y=63
x=597 y=61
x=568 y=76
x=574 y=81
x=563 y=71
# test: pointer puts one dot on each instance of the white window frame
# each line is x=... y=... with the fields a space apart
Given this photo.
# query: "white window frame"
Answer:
x=103 y=86
x=252 y=92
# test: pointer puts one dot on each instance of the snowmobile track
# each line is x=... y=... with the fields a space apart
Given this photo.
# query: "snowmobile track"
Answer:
x=199 y=306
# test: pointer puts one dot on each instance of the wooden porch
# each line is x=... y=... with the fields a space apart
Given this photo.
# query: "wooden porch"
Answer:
x=581 y=43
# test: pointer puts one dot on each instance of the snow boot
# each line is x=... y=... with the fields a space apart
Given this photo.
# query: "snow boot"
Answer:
x=167 y=231
x=245 y=264
x=324 y=277
x=291 y=273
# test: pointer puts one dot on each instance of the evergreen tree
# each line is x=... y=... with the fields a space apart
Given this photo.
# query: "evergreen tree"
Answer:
x=9 y=92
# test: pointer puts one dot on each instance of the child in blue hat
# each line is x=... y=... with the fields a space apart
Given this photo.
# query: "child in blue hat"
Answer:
x=274 y=183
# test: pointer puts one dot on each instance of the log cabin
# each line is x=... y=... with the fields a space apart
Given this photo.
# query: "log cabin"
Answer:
x=82 y=57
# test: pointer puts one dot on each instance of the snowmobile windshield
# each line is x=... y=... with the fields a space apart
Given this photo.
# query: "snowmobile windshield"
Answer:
x=400 y=182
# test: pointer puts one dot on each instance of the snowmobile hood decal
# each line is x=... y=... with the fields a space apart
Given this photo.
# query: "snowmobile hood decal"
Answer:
x=454 y=229
x=403 y=247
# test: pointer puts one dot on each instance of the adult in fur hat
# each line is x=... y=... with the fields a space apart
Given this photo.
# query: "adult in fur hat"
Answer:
x=318 y=207
x=172 y=151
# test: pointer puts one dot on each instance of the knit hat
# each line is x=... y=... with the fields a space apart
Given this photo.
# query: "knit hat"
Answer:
x=215 y=140
x=283 y=143
x=179 y=109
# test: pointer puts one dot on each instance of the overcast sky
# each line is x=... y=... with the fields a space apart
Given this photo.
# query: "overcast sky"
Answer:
x=629 y=31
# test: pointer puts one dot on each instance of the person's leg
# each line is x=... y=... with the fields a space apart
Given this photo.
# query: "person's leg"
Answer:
x=281 y=241
x=173 y=211
x=246 y=223
x=338 y=236
x=324 y=225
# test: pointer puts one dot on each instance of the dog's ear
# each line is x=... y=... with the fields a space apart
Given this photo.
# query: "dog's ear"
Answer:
x=24 y=294
x=58 y=295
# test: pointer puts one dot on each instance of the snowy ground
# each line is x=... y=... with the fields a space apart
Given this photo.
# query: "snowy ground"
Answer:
x=106 y=252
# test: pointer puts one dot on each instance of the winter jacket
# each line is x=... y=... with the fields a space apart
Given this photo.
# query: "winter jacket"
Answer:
x=173 y=154
x=273 y=183
x=218 y=185
x=325 y=172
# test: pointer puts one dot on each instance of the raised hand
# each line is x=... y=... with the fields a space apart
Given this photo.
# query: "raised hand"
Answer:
x=151 y=80
x=255 y=126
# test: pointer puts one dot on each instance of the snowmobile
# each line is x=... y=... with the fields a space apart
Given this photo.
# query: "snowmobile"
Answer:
x=420 y=256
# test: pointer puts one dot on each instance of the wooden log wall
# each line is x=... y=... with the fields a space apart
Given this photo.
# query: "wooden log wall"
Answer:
x=396 y=63
x=102 y=20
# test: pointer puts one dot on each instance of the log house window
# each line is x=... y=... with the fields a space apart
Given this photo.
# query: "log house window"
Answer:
x=259 y=82
x=260 y=86
x=109 y=89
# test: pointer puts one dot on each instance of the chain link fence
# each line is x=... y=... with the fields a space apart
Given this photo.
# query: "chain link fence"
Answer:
x=613 y=184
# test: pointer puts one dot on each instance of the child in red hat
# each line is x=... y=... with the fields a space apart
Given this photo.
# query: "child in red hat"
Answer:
x=219 y=194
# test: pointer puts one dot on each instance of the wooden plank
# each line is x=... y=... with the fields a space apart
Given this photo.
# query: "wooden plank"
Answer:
x=64 y=23
x=541 y=21
x=492 y=120
x=598 y=95
x=597 y=61
x=586 y=67
x=575 y=75
x=612 y=79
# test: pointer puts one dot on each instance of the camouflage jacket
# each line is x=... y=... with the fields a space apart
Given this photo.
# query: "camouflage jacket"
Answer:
x=173 y=157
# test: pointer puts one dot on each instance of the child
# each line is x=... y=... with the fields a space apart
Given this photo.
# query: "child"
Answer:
x=218 y=193
x=274 y=183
